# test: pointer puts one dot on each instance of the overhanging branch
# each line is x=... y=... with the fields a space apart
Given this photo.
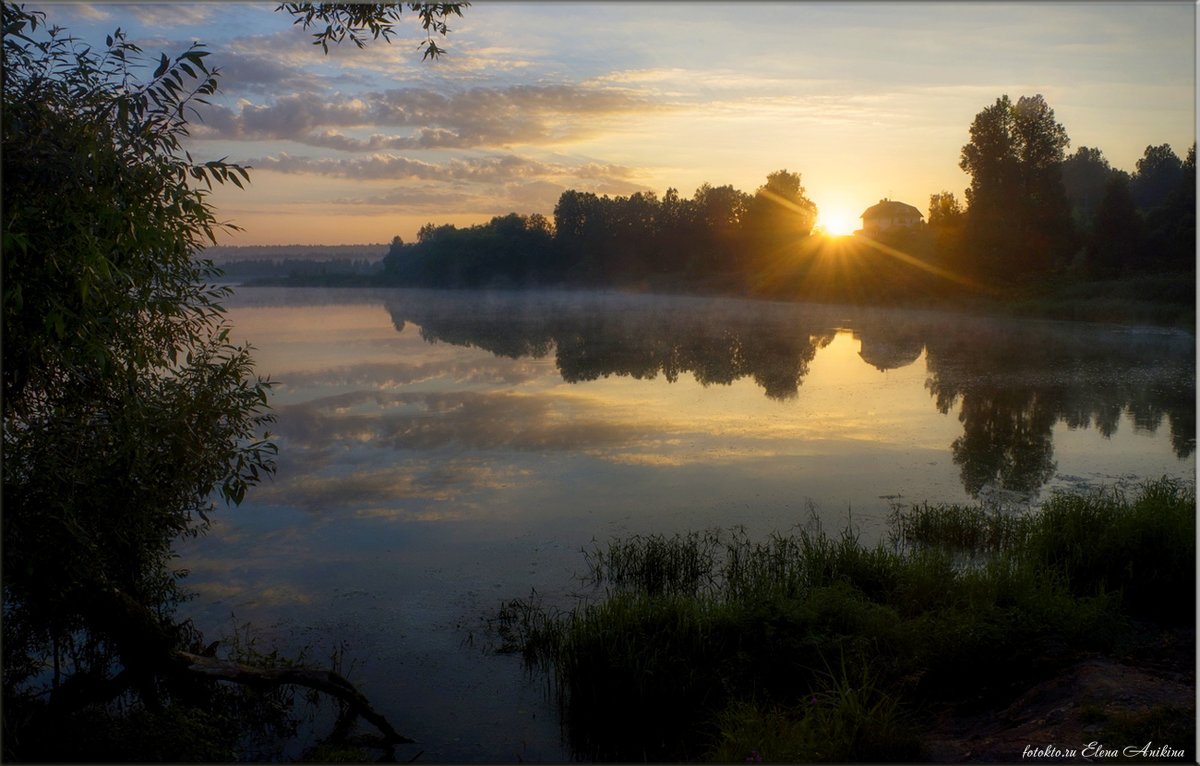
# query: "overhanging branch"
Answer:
x=325 y=681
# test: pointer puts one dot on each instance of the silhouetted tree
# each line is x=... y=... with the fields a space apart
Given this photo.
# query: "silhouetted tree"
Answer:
x=993 y=197
x=778 y=218
x=717 y=240
x=508 y=250
x=1085 y=175
x=1158 y=173
x=580 y=231
x=676 y=228
x=125 y=404
x=780 y=209
x=126 y=407
x=944 y=230
x=634 y=246
x=1018 y=220
x=1115 y=243
x=1171 y=224
x=944 y=210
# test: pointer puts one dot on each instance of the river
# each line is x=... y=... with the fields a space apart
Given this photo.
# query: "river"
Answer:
x=441 y=452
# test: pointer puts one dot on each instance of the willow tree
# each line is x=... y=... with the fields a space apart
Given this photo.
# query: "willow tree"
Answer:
x=127 y=408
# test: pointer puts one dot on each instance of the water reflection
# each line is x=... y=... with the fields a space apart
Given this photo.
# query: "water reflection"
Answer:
x=1015 y=382
x=1011 y=382
x=440 y=451
x=717 y=342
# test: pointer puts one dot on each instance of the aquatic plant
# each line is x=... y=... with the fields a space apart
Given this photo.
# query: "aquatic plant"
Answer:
x=709 y=644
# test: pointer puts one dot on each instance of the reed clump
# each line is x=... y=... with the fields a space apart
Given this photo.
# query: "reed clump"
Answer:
x=808 y=646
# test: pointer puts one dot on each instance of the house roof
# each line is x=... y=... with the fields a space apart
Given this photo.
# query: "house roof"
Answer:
x=890 y=209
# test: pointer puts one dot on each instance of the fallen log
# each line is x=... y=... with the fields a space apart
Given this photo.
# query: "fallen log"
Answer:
x=325 y=681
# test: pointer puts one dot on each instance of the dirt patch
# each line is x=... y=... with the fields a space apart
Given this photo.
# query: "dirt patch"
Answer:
x=1091 y=711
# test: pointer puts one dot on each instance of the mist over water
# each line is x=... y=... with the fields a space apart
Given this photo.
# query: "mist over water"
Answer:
x=441 y=452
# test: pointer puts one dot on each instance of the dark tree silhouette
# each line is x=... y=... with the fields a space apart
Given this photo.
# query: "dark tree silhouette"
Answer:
x=1171 y=224
x=1085 y=175
x=1158 y=173
x=1116 y=243
x=126 y=406
x=1018 y=220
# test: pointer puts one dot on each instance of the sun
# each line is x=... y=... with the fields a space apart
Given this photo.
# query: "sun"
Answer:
x=837 y=223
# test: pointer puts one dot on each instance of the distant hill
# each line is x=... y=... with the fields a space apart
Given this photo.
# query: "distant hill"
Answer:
x=221 y=254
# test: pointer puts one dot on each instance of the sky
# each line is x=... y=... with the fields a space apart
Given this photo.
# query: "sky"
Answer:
x=863 y=100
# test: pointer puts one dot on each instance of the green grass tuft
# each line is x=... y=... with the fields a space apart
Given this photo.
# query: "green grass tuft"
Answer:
x=709 y=645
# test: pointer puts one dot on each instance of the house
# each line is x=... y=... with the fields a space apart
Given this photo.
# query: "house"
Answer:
x=888 y=348
x=889 y=214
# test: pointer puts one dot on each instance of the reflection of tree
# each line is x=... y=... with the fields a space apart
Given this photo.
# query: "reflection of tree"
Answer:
x=1010 y=382
x=1014 y=383
x=640 y=339
x=1006 y=441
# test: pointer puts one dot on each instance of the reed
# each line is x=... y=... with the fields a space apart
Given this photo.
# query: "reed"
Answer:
x=693 y=645
x=847 y=718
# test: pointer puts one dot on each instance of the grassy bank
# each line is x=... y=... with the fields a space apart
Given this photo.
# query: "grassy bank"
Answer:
x=812 y=647
x=1165 y=300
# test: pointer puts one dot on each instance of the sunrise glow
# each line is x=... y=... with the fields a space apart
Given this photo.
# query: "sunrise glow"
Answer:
x=358 y=146
x=837 y=223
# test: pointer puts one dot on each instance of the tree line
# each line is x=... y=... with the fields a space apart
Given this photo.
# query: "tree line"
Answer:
x=249 y=271
x=720 y=235
x=1030 y=211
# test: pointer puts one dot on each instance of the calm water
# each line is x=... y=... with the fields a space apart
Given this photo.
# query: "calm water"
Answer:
x=441 y=452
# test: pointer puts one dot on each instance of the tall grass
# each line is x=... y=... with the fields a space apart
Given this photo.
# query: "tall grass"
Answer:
x=847 y=718
x=702 y=644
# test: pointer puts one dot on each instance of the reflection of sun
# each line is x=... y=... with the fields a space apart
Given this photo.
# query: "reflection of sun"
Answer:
x=837 y=223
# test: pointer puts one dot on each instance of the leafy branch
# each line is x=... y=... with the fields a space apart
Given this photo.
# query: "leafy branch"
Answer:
x=355 y=21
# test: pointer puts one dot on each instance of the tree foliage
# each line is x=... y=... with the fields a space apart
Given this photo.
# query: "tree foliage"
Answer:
x=1158 y=173
x=1115 y=243
x=127 y=407
x=721 y=234
x=1171 y=223
x=944 y=210
x=355 y=21
x=507 y=249
x=125 y=401
x=1085 y=175
x=1018 y=219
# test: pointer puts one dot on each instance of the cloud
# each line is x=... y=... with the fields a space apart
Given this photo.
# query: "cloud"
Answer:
x=424 y=118
x=160 y=15
x=91 y=11
x=488 y=183
x=397 y=167
x=488 y=169
x=416 y=197
x=377 y=166
x=389 y=376
x=260 y=72
x=428 y=422
x=338 y=453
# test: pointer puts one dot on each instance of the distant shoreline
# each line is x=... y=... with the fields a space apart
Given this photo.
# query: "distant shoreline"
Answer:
x=222 y=254
x=1158 y=300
